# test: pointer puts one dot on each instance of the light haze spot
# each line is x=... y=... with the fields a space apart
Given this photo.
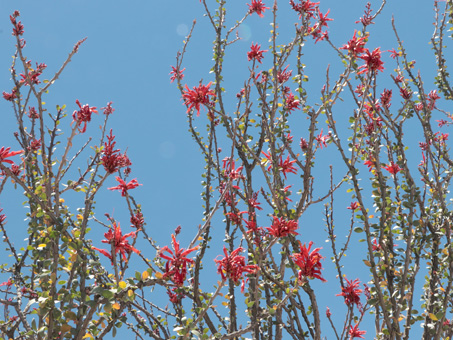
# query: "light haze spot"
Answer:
x=182 y=30
x=245 y=32
x=167 y=150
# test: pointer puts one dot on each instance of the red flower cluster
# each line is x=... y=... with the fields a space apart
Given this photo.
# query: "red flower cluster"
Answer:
x=176 y=267
x=10 y=96
x=137 y=220
x=18 y=27
x=305 y=7
x=32 y=114
x=367 y=17
x=373 y=61
x=291 y=103
x=405 y=93
x=108 y=110
x=281 y=227
x=233 y=266
x=255 y=53
x=176 y=73
x=118 y=241
x=285 y=166
x=283 y=76
x=112 y=159
x=354 y=332
x=355 y=46
x=386 y=97
x=83 y=115
x=309 y=263
x=392 y=168
x=32 y=74
x=4 y=153
x=316 y=31
x=257 y=7
x=123 y=186
x=34 y=145
x=351 y=293
x=199 y=95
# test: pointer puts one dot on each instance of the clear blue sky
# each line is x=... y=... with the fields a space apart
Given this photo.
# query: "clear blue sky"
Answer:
x=126 y=59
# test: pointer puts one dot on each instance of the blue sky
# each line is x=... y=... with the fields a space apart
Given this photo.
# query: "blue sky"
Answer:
x=126 y=59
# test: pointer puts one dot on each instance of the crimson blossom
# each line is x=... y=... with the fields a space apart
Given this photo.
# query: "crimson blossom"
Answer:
x=356 y=45
x=351 y=293
x=176 y=73
x=255 y=53
x=176 y=266
x=373 y=61
x=123 y=186
x=392 y=168
x=354 y=332
x=113 y=160
x=83 y=115
x=118 y=241
x=233 y=266
x=5 y=153
x=199 y=95
x=309 y=263
x=281 y=227
x=257 y=7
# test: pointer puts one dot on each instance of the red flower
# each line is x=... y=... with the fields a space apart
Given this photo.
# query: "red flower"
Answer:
x=322 y=139
x=309 y=263
x=373 y=61
x=18 y=27
x=32 y=74
x=34 y=145
x=351 y=293
x=386 y=96
x=83 y=115
x=8 y=283
x=257 y=7
x=2 y=217
x=4 y=153
x=283 y=76
x=376 y=246
x=286 y=166
x=367 y=17
x=108 y=110
x=199 y=95
x=123 y=186
x=393 y=53
x=255 y=53
x=233 y=266
x=235 y=218
x=253 y=201
x=405 y=93
x=176 y=267
x=328 y=312
x=392 y=168
x=32 y=114
x=118 y=242
x=137 y=220
x=354 y=206
x=112 y=160
x=305 y=7
x=303 y=144
x=230 y=169
x=291 y=103
x=176 y=74
x=281 y=227
x=355 y=46
x=10 y=96
x=354 y=332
